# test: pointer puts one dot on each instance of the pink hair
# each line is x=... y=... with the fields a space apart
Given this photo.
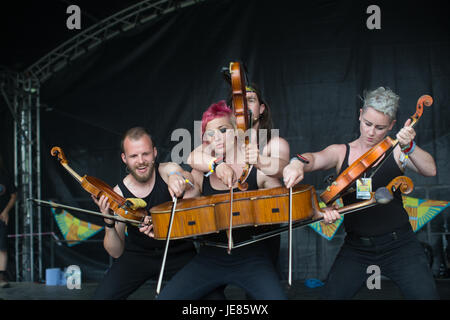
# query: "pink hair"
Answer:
x=216 y=110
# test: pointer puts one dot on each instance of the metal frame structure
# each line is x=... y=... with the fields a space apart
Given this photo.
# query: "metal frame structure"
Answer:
x=21 y=92
x=125 y=20
x=22 y=97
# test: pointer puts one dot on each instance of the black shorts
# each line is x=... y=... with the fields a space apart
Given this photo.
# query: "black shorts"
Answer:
x=3 y=236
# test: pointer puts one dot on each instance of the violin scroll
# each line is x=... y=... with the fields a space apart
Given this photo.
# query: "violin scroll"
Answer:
x=126 y=208
x=403 y=183
x=423 y=100
x=57 y=152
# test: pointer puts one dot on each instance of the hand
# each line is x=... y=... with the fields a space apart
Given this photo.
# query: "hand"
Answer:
x=293 y=173
x=226 y=174
x=4 y=216
x=251 y=153
x=251 y=150
x=147 y=227
x=406 y=134
x=103 y=205
x=330 y=215
x=176 y=185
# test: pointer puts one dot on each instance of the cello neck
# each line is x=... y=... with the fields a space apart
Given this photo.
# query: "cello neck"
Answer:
x=358 y=206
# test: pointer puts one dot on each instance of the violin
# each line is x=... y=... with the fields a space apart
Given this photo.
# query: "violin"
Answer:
x=211 y=214
x=121 y=206
x=368 y=159
x=241 y=112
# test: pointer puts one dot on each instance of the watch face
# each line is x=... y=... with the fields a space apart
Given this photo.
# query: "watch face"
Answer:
x=2 y=189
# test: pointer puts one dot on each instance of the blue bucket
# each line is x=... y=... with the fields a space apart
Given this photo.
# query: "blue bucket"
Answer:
x=53 y=276
x=62 y=279
x=313 y=283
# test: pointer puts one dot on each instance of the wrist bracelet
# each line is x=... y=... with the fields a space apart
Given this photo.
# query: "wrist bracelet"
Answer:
x=405 y=148
x=213 y=165
x=300 y=158
x=110 y=225
x=412 y=148
x=408 y=150
x=182 y=177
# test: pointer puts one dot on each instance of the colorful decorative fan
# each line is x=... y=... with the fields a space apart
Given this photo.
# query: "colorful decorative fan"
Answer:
x=73 y=229
x=327 y=230
x=420 y=211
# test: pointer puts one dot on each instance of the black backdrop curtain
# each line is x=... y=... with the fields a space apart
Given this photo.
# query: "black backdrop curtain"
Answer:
x=312 y=62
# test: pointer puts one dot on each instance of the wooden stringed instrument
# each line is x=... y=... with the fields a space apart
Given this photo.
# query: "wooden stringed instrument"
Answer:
x=241 y=113
x=97 y=188
x=210 y=214
x=368 y=159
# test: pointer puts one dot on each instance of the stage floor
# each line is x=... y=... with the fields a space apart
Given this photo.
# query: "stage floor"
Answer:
x=298 y=291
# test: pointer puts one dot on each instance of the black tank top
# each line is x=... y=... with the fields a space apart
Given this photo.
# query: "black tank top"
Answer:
x=379 y=219
x=239 y=234
x=136 y=240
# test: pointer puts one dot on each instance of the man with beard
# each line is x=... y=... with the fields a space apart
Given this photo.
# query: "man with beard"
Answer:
x=138 y=256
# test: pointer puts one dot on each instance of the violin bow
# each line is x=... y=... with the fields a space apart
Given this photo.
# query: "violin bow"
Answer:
x=290 y=238
x=230 y=230
x=169 y=231
x=115 y=218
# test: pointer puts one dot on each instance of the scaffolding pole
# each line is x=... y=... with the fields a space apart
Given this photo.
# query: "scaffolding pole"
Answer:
x=21 y=94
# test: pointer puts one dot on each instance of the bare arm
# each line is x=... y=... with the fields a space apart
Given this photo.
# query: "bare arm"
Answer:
x=197 y=180
x=419 y=160
x=4 y=215
x=200 y=158
x=330 y=157
x=265 y=182
x=114 y=240
x=175 y=177
x=274 y=157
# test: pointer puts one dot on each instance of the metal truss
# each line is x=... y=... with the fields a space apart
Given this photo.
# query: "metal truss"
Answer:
x=21 y=95
x=21 y=92
x=125 y=20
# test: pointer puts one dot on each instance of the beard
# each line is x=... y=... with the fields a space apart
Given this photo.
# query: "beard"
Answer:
x=142 y=177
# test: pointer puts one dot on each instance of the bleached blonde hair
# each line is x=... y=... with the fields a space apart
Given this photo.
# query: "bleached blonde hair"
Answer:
x=383 y=100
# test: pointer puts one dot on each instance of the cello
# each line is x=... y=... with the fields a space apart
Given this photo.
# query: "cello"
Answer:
x=368 y=159
x=241 y=113
x=210 y=214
